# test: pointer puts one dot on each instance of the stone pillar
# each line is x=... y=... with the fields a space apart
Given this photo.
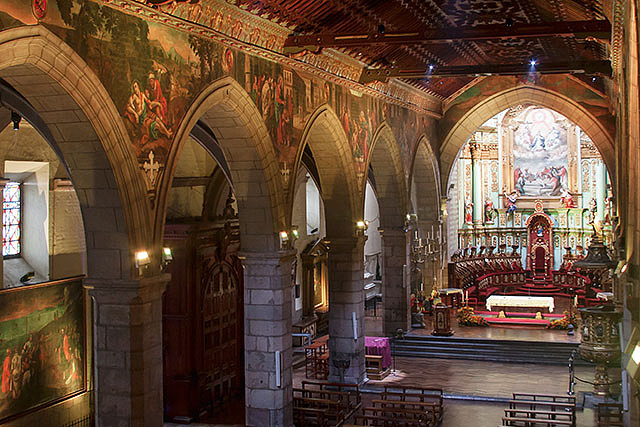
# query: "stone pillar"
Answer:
x=267 y=330
x=601 y=189
x=128 y=350
x=3 y=183
x=395 y=290
x=346 y=296
x=476 y=186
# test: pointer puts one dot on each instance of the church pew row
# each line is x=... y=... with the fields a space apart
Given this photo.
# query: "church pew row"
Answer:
x=609 y=414
x=530 y=409
x=337 y=402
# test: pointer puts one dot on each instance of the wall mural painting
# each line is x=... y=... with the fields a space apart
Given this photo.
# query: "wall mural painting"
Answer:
x=153 y=73
x=42 y=340
x=540 y=153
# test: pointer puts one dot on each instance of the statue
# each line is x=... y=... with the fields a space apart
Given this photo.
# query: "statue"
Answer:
x=567 y=200
x=608 y=206
x=593 y=210
x=490 y=212
x=511 y=201
x=468 y=212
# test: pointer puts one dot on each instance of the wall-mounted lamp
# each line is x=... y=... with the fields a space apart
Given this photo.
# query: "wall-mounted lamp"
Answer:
x=361 y=227
x=294 y=232
x=167 y=256
x=142 y=261
x=284 y=239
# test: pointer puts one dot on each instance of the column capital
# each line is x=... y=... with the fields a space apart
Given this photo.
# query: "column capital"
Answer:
x=110 y=291
x=275 y=257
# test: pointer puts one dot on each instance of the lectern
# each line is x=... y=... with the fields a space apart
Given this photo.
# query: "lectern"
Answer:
x=442 y=321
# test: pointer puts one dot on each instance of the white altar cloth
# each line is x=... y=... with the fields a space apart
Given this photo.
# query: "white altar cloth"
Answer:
x=519 y=301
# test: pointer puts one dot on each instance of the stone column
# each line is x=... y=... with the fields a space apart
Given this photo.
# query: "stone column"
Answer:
x=476 y=186
x=346 y=296
x=267 y=330
x=3 y=183
x=128 y=350
x=395 y=290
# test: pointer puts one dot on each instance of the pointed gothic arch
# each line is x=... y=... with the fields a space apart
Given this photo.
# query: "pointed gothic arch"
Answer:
x=483 y=111
x=228 y=111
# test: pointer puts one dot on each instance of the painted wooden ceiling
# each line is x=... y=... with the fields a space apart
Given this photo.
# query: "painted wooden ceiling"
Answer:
x=354 y=16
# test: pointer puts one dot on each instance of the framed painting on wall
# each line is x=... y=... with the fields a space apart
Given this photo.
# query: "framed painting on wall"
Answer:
x=43 y=345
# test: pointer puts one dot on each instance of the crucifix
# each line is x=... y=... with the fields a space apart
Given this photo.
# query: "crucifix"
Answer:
x=151 y=168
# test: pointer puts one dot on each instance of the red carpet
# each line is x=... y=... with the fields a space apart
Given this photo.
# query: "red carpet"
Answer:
x=516 y=321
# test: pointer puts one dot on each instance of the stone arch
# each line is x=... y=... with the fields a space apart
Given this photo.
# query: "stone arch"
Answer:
x=328 y=142
x=385 y=160
x=228 y=111
x=491 y=106
x=424 y=178
x=343 y=206
x=231 y=115
x=89 y=134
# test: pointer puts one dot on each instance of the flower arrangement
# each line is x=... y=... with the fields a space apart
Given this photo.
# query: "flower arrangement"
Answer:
x=568 y=319
x=466 y=317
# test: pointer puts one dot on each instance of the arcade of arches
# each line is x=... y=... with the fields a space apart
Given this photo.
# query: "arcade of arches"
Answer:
x=191 y=194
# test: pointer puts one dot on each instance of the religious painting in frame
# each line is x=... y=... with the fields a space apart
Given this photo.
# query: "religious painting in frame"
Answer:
x=42 y=340
x=540 y=154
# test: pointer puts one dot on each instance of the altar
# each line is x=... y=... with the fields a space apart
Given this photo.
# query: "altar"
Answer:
x=516 y=301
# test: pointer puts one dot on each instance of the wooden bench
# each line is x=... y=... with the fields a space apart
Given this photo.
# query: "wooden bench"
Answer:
x=610 y=414
x=309 y=417
x=350 y=392
x=408 y=416
x=387 y=421
x=545 y=397
x=430 y=409
x=415 y=394
x=529 y=422
x=333 y=410
x=545 y=409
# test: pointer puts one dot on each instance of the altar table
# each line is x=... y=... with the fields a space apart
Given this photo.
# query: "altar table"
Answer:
x=379 y=346
x=520 y=301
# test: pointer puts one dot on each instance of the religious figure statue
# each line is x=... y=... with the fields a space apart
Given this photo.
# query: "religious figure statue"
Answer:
x=593 y=210
x=608 y=206
x=567 y=200
x=511 y=201
x=468 y=212
x=490 y=212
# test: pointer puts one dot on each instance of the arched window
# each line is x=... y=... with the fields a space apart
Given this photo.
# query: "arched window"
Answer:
x=11 y=219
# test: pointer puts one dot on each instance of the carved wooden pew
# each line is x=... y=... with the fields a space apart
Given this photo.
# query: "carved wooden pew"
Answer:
x=417 y=394
x=540 y=409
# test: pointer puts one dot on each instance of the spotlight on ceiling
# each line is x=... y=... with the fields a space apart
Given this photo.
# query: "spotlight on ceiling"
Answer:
x=431 y=67
x=533 y=62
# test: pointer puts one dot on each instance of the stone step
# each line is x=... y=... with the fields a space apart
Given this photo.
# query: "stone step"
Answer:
x=485 y=349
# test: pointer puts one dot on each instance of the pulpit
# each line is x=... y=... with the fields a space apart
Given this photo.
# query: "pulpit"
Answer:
x=442 y=321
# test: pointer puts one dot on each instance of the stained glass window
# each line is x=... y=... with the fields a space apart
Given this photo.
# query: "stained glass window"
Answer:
x=11 y=204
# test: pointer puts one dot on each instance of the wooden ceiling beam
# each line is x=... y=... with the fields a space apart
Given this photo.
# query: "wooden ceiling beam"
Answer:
x=600 y=68
x=595 y=29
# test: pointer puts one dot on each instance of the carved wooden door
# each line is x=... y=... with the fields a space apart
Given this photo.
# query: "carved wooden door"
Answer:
x=220 y=317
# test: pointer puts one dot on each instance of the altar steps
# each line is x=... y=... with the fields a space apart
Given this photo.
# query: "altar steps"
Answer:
x=551 y=353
